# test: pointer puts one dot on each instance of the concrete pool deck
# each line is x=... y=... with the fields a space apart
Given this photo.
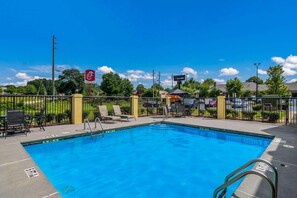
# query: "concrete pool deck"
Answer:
x=14 y=159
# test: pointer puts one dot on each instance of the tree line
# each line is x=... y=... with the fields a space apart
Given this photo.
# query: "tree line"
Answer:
x=72 y=81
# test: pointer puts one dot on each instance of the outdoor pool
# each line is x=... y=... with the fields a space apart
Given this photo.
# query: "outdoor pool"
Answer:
x=157 y=160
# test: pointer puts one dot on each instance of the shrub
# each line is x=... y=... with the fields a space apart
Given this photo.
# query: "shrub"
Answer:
x=96 y=114
x=85 y=114
x=248 y=114
x=142 y=111
x=125 y=109
x=50 y=117
x=60 y=117
x=212 y=111
x=257 y=107
x=271 y=116
x=201 y=112
x=68 y=114
x=232 y=113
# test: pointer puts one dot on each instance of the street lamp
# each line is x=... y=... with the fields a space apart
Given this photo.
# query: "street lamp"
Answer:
x=257 y=66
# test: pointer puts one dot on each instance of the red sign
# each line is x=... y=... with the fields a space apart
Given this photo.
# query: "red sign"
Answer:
x=90 y=76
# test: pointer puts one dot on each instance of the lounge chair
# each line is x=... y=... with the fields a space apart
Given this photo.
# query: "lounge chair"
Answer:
x=104 y=114
x=118 y=112
x=181 y=111
x=16 y=122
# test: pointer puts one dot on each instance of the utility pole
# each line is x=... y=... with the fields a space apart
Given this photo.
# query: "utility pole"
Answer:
x=53 y=63
x=153 y=83
x=257 y=67
x=172 y=81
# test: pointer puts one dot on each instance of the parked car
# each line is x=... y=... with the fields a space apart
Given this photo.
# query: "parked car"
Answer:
x=150 y=104
x=210 y=102
x=239 y=103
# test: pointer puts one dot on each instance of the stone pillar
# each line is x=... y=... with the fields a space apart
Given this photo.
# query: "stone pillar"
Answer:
x=167 y=100
x=76 y=109
x=134 y=106
x=221 y=107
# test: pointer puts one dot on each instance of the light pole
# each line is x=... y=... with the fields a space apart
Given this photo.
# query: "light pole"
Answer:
x=53 y=64
x=257 y=67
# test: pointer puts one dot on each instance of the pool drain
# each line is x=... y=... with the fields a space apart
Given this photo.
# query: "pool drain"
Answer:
x=31 y=172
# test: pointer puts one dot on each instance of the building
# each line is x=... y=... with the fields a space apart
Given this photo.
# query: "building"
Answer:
x=251 y=86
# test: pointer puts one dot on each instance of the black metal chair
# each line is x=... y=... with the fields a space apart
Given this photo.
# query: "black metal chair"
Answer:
x=40 y=119
x=15 y=122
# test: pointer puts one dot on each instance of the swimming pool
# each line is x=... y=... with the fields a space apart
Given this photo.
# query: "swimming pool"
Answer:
x=162 y=160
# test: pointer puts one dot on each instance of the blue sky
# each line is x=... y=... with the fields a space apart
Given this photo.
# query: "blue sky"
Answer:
x=206 y=39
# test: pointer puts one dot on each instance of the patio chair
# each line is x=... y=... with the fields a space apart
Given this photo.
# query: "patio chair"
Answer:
x=104 y=114
x=118 y=112
x=16 y=122
x=40 y=119
x=181 y=111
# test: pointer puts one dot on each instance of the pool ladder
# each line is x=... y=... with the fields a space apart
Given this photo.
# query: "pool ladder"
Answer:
x=236 y=175
x=165 y=112
x=87 y=122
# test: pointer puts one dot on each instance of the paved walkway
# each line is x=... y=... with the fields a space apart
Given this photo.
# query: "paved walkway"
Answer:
x=14 y=159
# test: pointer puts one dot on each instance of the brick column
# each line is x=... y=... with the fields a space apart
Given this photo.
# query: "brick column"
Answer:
x=134 y=106
x=221 y=107
x=76 y=109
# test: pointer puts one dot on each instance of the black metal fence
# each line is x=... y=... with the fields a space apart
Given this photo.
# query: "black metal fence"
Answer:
x=281 y=110
x=91 y=103
x=149 y=106
x=57 y=108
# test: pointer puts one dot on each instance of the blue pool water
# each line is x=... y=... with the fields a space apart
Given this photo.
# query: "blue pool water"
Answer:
x=158 y=160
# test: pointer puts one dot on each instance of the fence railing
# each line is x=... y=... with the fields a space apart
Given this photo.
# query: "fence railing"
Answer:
x=91 y=103
x=282 y=110
x=57 y=108
x=149 y=106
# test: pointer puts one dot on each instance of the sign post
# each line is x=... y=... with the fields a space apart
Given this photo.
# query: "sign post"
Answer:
x=90 y=78
x=179 y=78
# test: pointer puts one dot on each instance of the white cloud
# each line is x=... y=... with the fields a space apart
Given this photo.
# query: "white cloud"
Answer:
x=292 y=80
x=262 y=72
x=135 y=71
x=122 y=75
x=228 y=72
x=25 y=76
x=289 y=72
x=219 y=81
x=278 y=60
x=105 y=69
x=189 y=71
x=8 y=78
x=290 y=62
x=168 y=83
x=221 y=59
x=206 y=72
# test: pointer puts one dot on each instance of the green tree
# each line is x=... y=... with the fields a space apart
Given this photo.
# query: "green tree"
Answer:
x=168 y=90
x=30 y=89
x=21 y=89
x=71 y=81
x=209 y=81
x=255 y=79
x=126 y=87
x=247 y=93
x=234 y=87
x=158 y=87
x=276 y=81
x=111 y=84
x=214 y=92
x=149 y=93
x=11 y=89
x=140 y=87
x=1 y=90
x=204 y=90
x=192 y=84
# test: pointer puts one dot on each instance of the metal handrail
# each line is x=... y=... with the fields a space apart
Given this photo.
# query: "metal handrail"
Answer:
x=243 y=174
x=250 y=163
x=165 y=112
x=89 y=126
x=99 y=121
